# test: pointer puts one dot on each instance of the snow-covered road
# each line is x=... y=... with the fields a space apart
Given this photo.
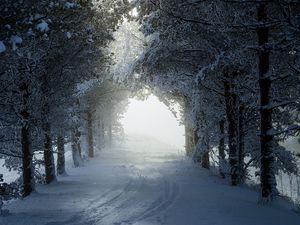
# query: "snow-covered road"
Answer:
x=124 y=187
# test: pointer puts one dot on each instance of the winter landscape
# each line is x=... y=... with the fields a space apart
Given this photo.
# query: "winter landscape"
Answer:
x=149 y=112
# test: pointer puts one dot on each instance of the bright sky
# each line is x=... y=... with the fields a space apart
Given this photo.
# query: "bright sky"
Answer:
x=152 y=118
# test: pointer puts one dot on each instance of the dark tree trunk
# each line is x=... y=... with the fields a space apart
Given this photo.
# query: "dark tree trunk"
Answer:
x=48 y=155
x=46 y=127
x=90 y=135
x=194 y=139
x=231 y=102
x=28 y=182
x=205 y=157
x=241 y=143
x=79 y=150
x=268 y=182
x=222 y=148
x=205 y=160
x=61 y=168
x=27 y=166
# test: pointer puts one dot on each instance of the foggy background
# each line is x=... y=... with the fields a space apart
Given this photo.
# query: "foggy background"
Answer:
x=151 y=122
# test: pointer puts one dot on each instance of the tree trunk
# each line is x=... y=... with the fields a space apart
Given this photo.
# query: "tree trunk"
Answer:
x=205 y=156
x=75 y=151
x=230 y=102
x=79 y=150
x=48 y=155
x=61 y=169
x=189 y=139
x=28 y=172
x=75 y=155
x=27 y=166
x=90 y=135
x=46 y=127
x=102 y=135
x=194 y=139
x=241 y=143
x=268 y=181
x=222 y=148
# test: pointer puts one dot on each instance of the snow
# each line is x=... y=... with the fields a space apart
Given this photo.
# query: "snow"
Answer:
x=43 y=26
x=38 y=16
x=2 y=47
x=125 y=185
x=127 y=47
x=71 y=5
x=30 y=32
x=15 y=40
x=292 y=144
x=8 y=176
x=69 y=35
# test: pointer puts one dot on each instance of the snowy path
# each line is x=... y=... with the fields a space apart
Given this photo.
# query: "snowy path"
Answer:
x=123 y=187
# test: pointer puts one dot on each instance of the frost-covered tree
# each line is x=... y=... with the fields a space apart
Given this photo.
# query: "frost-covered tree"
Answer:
x=216 y=45
x=47 y=49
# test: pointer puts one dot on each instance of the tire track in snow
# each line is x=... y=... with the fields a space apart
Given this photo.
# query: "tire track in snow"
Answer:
x=158 y=207
x=93 y=206
x=114 y=211
x=163 y=206
x=109 y=208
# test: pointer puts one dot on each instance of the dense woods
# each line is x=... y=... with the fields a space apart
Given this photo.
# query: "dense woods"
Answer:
x=48 y=50
x=232 y=66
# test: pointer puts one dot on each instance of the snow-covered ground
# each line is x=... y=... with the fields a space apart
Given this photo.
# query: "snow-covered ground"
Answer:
x=150 y=186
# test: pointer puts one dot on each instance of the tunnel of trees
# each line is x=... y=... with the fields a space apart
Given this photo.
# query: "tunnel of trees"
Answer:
x=232 y=66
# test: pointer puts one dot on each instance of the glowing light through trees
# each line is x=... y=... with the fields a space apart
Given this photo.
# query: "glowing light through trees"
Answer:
x=152 y=118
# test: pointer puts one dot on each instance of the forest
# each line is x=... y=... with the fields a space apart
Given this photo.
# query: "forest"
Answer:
x=229 y=70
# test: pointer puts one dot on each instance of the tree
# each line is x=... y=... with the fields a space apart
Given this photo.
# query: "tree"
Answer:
x=61 y=170
x=252 y=97
x=268 y=181
x=54 y=47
